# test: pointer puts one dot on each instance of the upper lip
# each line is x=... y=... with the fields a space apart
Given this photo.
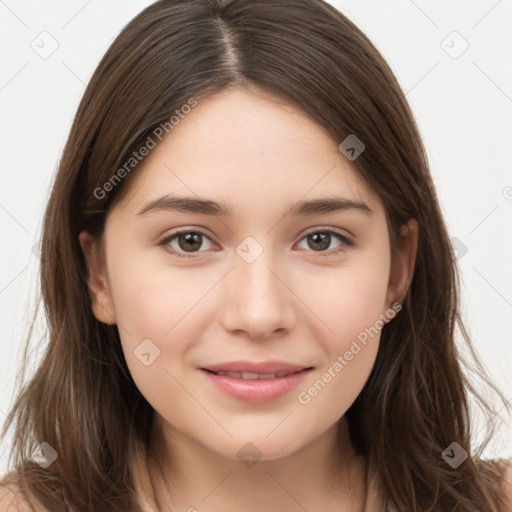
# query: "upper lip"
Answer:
x=252 y=367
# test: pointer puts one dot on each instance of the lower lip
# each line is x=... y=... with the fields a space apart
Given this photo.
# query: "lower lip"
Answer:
x=257 y=390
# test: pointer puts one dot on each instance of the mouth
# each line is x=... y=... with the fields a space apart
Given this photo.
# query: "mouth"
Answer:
x=253 y=375
x=256 y=382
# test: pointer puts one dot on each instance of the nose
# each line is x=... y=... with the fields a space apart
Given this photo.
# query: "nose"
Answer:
x=257 y=299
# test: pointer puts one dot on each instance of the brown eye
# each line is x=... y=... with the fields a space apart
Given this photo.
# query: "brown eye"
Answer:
x=189 y=242
x=320 y=241
x=183 y=242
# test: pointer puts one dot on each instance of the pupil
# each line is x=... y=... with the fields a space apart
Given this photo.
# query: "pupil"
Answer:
x=192 y=241
x=322 y=238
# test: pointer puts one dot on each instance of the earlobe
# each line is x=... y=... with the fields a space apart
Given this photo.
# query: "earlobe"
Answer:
x=101 y=301
x=402 y=264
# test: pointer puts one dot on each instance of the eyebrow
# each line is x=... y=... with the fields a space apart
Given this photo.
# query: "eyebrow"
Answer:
x=196 y=205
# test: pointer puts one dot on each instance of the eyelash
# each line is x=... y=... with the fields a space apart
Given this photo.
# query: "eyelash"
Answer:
x=346 y=242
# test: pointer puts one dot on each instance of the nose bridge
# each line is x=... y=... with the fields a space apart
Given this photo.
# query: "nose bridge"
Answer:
x=257 y=300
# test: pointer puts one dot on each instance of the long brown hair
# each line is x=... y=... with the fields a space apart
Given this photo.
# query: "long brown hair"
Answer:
x=82 y=400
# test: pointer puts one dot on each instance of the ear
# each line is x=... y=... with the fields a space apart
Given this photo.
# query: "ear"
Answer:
x=101 y=301
x=402 y=263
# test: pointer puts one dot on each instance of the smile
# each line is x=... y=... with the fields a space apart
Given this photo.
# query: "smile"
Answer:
x=253 y=376
x=255 y=387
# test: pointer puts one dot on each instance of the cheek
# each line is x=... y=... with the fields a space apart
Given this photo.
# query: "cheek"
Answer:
x=155 y=315
x=350 y=353
x=351 y=304
x=355 y=323
x=161 y=304
x=350 y=299
x=152 y=300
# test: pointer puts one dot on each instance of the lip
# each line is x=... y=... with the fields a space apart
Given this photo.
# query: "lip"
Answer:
x=252 y=367
x=256 y=390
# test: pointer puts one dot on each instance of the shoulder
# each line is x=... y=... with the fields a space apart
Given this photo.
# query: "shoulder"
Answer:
x=507 y=483
x=11 y=496
x=500 y=471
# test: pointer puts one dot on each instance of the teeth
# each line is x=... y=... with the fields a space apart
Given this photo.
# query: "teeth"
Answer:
x=253 y=376
x=263 y=376
x=249 y=376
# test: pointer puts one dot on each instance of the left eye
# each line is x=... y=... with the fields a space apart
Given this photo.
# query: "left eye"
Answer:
x=323 y=240
x=191 y=241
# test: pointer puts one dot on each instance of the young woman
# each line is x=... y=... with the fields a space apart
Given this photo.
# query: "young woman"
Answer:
x=251 y=293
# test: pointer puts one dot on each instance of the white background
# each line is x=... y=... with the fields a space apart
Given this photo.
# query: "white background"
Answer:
x=463 y=107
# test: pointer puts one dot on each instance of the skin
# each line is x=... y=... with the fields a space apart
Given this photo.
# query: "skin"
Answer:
x=258 y=153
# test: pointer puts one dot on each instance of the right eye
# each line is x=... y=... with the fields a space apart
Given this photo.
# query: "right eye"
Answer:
x=184 y=241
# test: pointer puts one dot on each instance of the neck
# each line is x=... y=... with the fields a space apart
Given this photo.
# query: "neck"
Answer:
x=324 y=475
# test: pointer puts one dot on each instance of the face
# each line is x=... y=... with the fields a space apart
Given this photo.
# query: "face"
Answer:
x=193 y=288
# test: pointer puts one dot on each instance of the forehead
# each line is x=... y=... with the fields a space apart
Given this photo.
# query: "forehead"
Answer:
x=247 y=146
